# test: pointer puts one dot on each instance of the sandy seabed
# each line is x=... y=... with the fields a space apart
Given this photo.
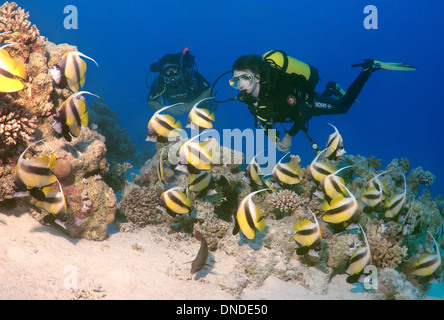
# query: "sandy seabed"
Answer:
x=40 y=262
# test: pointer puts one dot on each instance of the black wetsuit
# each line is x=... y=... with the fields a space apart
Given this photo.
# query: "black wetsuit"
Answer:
x=183 y=91
x=293 y=101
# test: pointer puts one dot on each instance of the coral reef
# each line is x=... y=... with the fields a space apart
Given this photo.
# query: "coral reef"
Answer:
x=284 y=200
x=25 y=116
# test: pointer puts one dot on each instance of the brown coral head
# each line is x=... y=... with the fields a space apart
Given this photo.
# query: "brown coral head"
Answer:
x=63 y=168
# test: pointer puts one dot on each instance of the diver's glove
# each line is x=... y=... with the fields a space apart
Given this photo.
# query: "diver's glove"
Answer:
x=285 y=144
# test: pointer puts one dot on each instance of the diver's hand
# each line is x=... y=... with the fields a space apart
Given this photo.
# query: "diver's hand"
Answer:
x=285 y=144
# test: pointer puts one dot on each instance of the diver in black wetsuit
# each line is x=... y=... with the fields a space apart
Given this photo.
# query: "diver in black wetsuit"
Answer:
x=273 y=95
x=178 y=81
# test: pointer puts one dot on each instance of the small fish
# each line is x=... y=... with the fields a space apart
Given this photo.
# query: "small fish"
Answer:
x=11 y=72
x=70 y=70
x=286 y=174
x=395 y=203
x=159 y=168
x=54 y=201
x=200 y=182
x=407 y=223
x=359 y=260
x=72 y=115
x=200 y=118
x=176 y=202
x=428 y=263
x=161 y=127
x=249 y=216
x=308 y=234
x=202 y=255
x=195 y=157
x=319 y=170
x=335 y=145
x=254 y=171
x=35 y=172
x=334 y=185
x=341 y=209
x=373 y=194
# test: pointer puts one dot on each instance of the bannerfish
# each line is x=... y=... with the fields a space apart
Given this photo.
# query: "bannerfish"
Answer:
x=319 y=170
x=200 y=118
x=335 y=145
x=359 y=260
x=254 y=171
x=162 y=127
x=175 y=201
x=334 y=185
x=195 y=156
x=159 y=168
x=54 y=201
x=341 y=209
x=11 y=72
x=70 y=70
x=249 y=216
x=428 y=263
x=202 y=255
x=373 y=193
x=72 y=115
x=34 y=172
x=286 y=174
x=201 y=182
x=395 y=203
x=308 y=234
x=407 y=223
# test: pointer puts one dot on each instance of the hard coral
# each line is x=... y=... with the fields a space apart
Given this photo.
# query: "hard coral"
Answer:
x=387 y=251
x=284 y=200
x=15 y=124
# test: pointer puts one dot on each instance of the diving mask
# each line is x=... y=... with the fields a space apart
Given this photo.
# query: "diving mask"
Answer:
x=171 y=74
x=243 y=81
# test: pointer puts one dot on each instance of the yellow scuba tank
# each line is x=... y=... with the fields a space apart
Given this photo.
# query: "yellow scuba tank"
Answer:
x=291 y=65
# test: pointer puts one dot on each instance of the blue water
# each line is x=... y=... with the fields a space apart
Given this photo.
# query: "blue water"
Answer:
x=400 y=114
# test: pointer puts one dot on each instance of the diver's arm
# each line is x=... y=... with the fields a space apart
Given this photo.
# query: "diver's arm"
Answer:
x=186 y=106
x=155 y=105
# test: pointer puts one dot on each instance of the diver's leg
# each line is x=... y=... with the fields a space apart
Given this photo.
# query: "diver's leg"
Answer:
x=327 y=105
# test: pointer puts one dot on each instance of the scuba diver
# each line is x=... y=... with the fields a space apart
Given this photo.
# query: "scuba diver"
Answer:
x=178 y=81
x=278 y=89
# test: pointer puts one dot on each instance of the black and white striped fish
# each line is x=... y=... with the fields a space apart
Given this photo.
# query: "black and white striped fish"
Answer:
x=335 y=145
x=428 y=263
x=35 y=172
x=72 y=115
x=319 y=170
x=360 y=258
x=373 y=193
x=54 y=201
x=254 y=171
x=176 y=202
x=200 y=118
x=162 y=127
x=286 y=174
x=70 y=70
x=395 y=203
x=334 y=185
x=308 y=234
x=341 y=209
x=249 y=216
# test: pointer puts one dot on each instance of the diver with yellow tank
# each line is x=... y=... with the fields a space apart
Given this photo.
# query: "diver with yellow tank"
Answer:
x=278 y=89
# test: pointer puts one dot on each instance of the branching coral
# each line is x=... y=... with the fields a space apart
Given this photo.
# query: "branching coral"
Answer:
x=15 y=125
x=387 y=251
x=15 y=20
x=284 y=200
